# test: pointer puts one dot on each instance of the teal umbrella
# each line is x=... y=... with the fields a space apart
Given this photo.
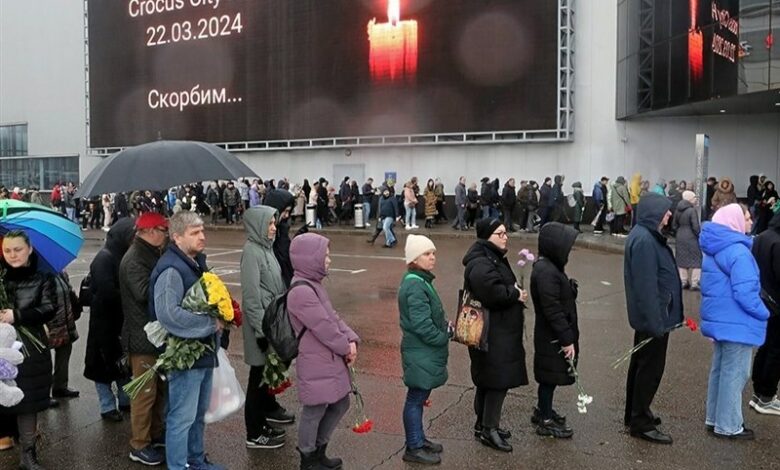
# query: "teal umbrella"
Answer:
x=55 y=238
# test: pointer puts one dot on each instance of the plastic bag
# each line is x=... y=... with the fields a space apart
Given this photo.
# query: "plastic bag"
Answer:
x=227 y=397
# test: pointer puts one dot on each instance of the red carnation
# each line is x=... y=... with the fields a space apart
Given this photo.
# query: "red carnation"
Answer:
x=237 y=315
x=690 y=323
x=363 y=427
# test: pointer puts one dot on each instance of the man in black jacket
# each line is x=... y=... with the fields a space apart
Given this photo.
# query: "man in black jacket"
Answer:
x=147 y=416
x=545 y=201
x=508 y=203
x=654 y=302
x=766 y=366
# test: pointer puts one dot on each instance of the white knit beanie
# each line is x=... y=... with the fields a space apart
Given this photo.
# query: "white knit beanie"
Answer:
x=417 y=245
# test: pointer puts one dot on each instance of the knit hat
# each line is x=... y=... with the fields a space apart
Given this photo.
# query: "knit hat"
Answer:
x=486 y=227
x=149 y=220
x=689 y=196
x=416 y=246
x=731 y=216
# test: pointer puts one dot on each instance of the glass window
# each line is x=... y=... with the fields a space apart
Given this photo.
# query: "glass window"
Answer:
x=13 y=140
x=40 y=173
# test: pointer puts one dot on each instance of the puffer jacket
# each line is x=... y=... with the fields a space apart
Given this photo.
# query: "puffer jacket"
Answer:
x=321 y=369
x=232 y=197
x=731 y=308
x=134 y=271
x=424 y=344
x=724 y=194
x=34 y=297
x=282 y=200
x=261 y=280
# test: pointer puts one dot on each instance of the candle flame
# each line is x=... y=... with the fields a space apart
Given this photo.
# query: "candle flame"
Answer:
x=394 y=11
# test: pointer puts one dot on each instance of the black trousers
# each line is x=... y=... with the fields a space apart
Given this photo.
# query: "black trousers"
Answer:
x=545 y=401
x=258 y=403
x=645 y=372
x=487 y=405
x=766 y=365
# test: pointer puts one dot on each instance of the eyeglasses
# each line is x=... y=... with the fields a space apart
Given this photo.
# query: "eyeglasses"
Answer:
x=501 y=234
x=162 y=230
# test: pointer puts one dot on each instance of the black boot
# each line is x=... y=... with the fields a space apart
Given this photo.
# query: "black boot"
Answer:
x=29 y=460
x=490 y=438
x=311 y=461
x=549 y=427
x=333 y=464
x=422 y=456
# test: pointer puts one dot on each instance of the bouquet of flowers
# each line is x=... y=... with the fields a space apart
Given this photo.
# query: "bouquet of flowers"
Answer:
x=275 y=374
x=362 y=423
x=526 y=257
x=583 y=399
x=688 y=323
x=209 y=296
x=21 y=331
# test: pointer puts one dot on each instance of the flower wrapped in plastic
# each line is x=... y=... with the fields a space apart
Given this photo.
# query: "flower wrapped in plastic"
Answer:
x=275 y=374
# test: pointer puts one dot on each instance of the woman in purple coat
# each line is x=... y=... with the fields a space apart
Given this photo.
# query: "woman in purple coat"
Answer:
x=328 y=346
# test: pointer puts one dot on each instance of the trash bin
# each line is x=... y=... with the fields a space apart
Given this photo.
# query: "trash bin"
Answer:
x=359 y=216
x=311 y=217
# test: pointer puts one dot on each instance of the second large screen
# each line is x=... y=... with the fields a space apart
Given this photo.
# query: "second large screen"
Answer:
x=249 y=70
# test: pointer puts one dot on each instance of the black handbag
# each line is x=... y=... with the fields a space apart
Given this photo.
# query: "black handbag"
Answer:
x=85 y=291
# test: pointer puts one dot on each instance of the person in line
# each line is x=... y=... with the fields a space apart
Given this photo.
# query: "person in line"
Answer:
x=34 y=295
x=558 y=204
x=491 y=281
x=599 y=196
x=619 y=204
x=579 y=205
x=712 y=183
x=283 y=202
x=367 y=192
x=724 y=194
x=460 y=204
x=322 y=203
x=765 y=204
x=556 y=332
x=212 y=200
x=410 y=206
x=429 y=197
x=635 y=193
x=261 y=284
x=327 y=348
x=231 y=199
x=732 y=315
x=147 y=410
x=189 y=390
x=766 y=364
x=424 y=345
x=472 y=205
x=438 y=189
x=687 y=227
x=753 y=196
x=62 y=334
x=545 y=201
x=649 y=273
x=522 y=204
x=508 y=203
x=104 y=362
x=532 y=206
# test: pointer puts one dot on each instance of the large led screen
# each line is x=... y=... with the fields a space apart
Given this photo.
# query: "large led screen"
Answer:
x=257 y=70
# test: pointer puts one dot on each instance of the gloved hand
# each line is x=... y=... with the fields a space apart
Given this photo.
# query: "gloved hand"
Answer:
x=263 y=344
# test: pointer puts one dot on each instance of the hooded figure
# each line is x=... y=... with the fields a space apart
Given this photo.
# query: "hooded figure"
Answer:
x=654 y=303
x=104 y=350
x=282 y=201
x=724 y=195
x=687 y=228
x=555 y=305
x=753 y=192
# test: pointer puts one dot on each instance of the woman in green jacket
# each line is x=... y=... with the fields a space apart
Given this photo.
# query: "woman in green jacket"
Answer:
x=424 y=346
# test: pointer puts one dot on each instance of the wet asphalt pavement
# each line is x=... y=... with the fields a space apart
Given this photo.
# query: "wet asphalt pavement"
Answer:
x=363 y=285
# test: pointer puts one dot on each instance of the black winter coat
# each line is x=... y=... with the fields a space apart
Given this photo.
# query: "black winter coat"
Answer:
x=104 y=349
x=134 y=272
x=508 y=197
x=766 y=250
x=280 y=200
x=34 y=298
x=555 y=304
x=491 y=281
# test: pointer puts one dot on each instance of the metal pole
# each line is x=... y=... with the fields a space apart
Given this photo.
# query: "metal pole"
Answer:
x=702 y=164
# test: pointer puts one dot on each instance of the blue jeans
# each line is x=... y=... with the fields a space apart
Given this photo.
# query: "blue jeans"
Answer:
x=413 y=413
x=411 y=215
x=107 y=398
x=387 y=226
x=189 y=393
x=729 y=374
x=366 y=213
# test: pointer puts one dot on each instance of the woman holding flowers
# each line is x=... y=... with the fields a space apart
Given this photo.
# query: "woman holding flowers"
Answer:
x=733 y=316
x=261 y=283
x=556 y=333
x=327 y=348
x=33 y=298
x=424 y=346
x=490 y=280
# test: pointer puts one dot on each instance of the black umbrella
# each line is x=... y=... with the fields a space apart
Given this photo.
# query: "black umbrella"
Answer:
x=161 y=165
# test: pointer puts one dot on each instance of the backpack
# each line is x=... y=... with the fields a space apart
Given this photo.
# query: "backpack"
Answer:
x=85 y=291
x=277 y=328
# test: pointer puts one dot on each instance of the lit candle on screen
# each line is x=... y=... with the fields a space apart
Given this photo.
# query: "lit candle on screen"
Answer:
x=393 y=51
x=695 y=45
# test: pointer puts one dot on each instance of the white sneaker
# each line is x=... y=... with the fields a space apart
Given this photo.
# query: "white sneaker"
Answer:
x=415 y=226
x=408 y=227
x=766 y=408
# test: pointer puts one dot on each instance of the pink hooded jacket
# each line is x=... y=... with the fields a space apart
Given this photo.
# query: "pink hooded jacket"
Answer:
x=323 y=377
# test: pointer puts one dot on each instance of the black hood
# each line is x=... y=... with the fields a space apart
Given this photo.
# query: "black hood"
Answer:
x=279 y=199
x=481 y=248
x=683 y=205
x=558 y=179
x=120 y=236
x=754 y=180
x=651 y=210
x=555 y=243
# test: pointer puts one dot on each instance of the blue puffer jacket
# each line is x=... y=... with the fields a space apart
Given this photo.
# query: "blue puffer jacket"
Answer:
x=731 y=309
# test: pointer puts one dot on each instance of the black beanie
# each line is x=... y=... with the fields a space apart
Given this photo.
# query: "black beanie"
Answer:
x=486 y=227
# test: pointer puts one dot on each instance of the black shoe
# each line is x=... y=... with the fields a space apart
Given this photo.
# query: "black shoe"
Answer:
x=310 y=461
x=269 y=438
x=490 y=438
x=710 y=428
x=655 y=436
x=536 y=419
x=113 y=415
x=29 y=460
x=332 y=464
x=421 y=456
x=433 y=447
x=745 y=435
x=550 y=427
x=53 y=403
x=504 y=433
x=65 y=393
x=280 y=416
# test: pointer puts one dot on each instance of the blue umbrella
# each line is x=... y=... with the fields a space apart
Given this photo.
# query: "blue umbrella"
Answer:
x=56 y=239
